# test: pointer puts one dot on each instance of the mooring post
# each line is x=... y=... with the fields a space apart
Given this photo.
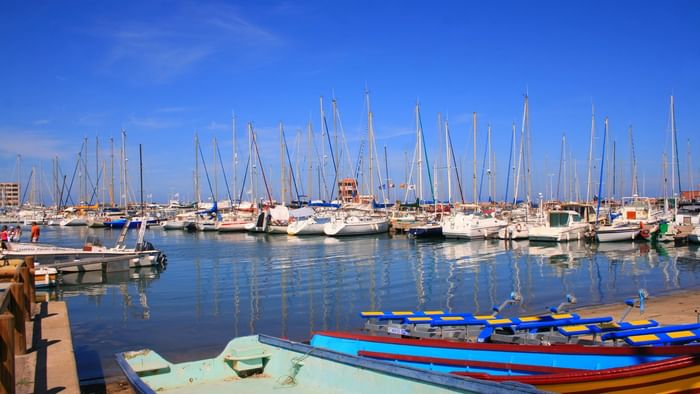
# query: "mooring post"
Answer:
x=29 y=260
x=7 y=354
x=18 y=309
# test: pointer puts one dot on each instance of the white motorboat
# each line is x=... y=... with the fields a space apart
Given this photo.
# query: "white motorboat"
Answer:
x=73 y=221
x=615 y=232
x=206 y=225
x=471 y=225
x=356 y=225
x=561 y=226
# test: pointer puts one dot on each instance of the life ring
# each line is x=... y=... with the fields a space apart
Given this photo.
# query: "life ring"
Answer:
x=518 y=228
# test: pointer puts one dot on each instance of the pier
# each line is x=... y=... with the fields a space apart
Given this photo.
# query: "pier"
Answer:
x=37 y=349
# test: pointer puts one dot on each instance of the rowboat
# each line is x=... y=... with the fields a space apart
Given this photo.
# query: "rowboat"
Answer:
x=261 y=364
x=617 y=232
x=495 y=358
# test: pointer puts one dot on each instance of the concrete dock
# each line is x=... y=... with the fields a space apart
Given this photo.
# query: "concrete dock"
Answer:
x=49 y=365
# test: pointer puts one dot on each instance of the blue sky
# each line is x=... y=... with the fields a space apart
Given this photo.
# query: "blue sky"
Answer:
x=163 y=70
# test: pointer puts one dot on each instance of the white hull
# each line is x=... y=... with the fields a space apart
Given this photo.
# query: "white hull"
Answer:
x=73 y=222
x=174 y=225
x=694 y=235
x=514 y=231
x=309 y=226
x=471 y=226
x=356 y=227
x=616 y=234
x=206 y=226
x=232 y=226
x=558 y=234
x=276 y=229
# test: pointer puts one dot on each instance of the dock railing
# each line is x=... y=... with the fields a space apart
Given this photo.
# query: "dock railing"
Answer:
x=16 y=300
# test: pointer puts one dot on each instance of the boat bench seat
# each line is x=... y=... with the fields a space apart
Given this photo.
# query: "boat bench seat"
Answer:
x=542 y=319
x=398 y=315
x=463 y=320
x=149 y=366
x=677 y=334
x=591 y=329
x=245 y=359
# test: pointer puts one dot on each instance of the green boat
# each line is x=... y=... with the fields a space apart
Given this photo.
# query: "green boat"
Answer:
x=261 y=364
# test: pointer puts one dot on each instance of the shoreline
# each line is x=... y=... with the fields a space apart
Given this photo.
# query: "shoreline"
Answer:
x=671 y=307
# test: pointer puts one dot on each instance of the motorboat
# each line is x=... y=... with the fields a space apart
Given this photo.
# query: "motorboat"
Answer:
x=561 y=226
x=471 y=225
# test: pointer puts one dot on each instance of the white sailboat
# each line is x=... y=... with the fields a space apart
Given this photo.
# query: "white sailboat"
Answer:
x=356 y=223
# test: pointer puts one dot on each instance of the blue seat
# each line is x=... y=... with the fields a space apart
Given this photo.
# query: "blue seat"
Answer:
x=683 y=333
x=594 y=329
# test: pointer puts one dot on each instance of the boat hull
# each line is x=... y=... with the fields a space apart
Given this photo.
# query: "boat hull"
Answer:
x=339 y=229
x=262 y=364
x=616 y=234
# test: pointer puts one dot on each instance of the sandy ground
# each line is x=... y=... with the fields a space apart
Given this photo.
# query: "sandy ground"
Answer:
x=680 y=307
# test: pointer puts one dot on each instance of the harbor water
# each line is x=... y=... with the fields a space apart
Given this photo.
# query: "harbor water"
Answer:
x=219 y=286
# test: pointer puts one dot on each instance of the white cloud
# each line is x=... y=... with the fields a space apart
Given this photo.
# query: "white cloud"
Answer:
x=41 y=122
x=152 y=123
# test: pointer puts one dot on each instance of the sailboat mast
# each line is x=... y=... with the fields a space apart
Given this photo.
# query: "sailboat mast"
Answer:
x=590 y=155
x=283 y=168
x=690 y=173
x=197 y=194
x=126 y=172
x=216 y=172
x=235 y=156
x=675 y=167
x=111 y=172
x=97 y=168
x=420 y=153
x=449 y=163
x=309 y=157
x=490 y=164
x=370 y=131
x=633 y=163
x=476 y=199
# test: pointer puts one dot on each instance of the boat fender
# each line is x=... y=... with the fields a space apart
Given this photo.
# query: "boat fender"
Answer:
x=518 y=227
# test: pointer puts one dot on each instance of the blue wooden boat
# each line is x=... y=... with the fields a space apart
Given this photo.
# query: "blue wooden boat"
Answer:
x=262 y=364
x=495 y=358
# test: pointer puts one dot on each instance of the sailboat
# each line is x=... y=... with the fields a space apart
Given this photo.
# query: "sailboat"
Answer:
x=469 y=221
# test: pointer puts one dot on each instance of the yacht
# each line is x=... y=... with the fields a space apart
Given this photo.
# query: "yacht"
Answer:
x=471 y=225
x=561 y=226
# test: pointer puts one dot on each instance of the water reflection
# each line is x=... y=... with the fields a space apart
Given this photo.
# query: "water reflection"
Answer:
x=218 y=286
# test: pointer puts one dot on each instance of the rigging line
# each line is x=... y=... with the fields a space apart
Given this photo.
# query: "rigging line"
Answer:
x=245 y=176
x=335 y=167
x=291 y=167
x=454 y=160
x=211 y=190
x=510 y=158
x=600 y=184
x=425 y=152
x=29 y=181
x=70 y=187
x=262 y=169
x=483 y=167
x=223 y=171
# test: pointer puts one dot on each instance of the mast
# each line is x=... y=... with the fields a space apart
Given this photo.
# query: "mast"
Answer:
x=370 y=131
x=126 y=172
x=449 y=163
x=216 y=172
x=600 y=184
x=476 y=199
x=111 y=171
x=97 y=169
x=309 y=157
x=489 y=170
x=197 y=193
x=283 y=169
x=235 y=156
x=143 y=214
x=529 y=149
x=675 y=167
x=633 y=163
x=420 y=153
x=590 y=154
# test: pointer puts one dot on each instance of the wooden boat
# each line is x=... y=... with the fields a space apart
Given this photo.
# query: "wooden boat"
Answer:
x=678 y=374
x=261 y=364
x=475 y=357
